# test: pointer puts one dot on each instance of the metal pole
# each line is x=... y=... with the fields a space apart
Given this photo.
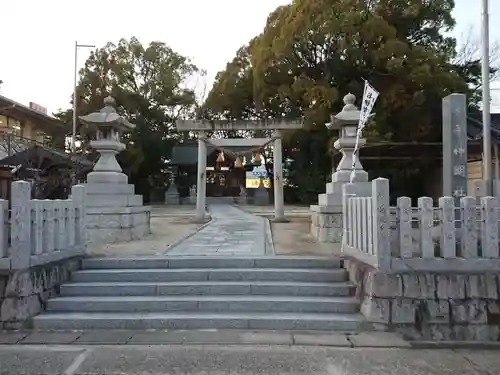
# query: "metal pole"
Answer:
x=497 y=169
x=75 y=84
x=73 y=137
x=485 y=71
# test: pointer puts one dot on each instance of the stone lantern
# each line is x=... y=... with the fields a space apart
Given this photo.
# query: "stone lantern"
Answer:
x=326 y=216
x=113 y=211
x=108 y=127
x=346 y=122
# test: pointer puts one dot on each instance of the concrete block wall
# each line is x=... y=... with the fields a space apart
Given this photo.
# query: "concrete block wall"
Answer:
x=429 y=306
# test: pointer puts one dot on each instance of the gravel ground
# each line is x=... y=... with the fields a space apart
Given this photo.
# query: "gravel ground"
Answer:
x=294 y=238
x=168 y=225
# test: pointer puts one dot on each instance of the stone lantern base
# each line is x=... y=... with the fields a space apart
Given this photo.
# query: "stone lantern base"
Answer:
x=326 y=216
x=172 y=195
x=114 y=212
x=326 y=223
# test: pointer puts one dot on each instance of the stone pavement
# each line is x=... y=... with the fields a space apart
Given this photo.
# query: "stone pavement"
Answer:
x=243 y=359
x=211 y=336
x=231 y=232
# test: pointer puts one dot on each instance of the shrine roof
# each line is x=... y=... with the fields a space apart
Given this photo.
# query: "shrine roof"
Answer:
x=475 y=126
x=34 y=151
x=187 y=153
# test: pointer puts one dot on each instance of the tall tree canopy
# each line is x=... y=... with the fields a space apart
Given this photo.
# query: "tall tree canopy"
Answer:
x=313 y=52
x=149 y=85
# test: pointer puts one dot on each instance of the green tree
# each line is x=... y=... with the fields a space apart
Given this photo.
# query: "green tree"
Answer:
x=149 y=85
x=320 y=50
x=312 y=52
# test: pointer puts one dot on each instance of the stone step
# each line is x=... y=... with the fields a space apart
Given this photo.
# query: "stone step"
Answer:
x=224 y=304
x=209 y=274
x=200 y=320
x=206 y=288
x=213 y=262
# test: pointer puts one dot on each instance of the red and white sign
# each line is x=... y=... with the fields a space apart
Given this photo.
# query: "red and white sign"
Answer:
x=38 y=108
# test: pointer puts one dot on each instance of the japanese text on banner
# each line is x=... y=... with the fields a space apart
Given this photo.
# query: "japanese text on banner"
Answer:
x=370 y=96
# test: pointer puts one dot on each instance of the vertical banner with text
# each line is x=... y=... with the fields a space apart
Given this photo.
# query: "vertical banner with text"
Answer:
x=370 y=96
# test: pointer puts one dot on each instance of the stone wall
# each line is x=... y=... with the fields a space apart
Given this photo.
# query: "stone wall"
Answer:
x=23 y=294
x=429 y=306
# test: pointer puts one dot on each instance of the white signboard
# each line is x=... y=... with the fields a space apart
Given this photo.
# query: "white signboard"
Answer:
x=38 y=108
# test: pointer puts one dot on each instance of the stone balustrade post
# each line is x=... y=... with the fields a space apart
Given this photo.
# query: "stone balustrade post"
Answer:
x=4 y=228
x=78 y=197
x=20 y=225
x=37 y=206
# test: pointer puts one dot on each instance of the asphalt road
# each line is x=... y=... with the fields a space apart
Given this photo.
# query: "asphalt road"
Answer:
x=242 y=359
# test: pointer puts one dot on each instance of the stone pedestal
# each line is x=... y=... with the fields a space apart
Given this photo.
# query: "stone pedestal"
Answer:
x=261 y=196
x=326 y=216
x=192 y=199
x=326 y=223
x=172 y=195
x=242 y=198
x=113 y=211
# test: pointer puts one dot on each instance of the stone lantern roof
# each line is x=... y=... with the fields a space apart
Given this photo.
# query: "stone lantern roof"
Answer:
x=349 y=115
x=107 y=118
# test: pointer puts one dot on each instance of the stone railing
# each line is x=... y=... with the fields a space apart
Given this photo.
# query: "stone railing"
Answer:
x=426 y=238
x=40 y=231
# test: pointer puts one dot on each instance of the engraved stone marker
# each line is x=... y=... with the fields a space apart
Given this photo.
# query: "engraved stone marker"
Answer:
x=455 y=147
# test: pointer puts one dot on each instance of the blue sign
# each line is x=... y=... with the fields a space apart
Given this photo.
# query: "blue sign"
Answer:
x=260 y=172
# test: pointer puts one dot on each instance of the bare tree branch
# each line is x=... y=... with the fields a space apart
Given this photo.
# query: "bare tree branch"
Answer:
x=469 y=50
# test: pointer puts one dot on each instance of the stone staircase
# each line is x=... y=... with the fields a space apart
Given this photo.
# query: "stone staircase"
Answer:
x=283 y=293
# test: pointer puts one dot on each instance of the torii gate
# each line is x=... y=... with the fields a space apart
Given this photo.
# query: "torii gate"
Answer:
x=202 y=127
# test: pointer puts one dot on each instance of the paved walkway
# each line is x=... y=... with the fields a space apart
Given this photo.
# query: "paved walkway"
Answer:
x=232 y=232
x=241 y=360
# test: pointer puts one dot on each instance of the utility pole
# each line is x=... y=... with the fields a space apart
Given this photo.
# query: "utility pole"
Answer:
x=485 y=72
x=75 y=84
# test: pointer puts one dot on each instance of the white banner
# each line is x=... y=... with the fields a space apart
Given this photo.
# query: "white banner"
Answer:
x=370 y=96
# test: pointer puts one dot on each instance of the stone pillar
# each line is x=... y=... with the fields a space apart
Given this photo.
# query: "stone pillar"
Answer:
x=455 y=147
x=20 y=225
x=279 y=205
x=201 y=181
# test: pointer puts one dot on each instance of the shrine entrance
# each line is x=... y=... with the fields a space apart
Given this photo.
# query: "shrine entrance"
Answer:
x=223 y=181
x=224 y=178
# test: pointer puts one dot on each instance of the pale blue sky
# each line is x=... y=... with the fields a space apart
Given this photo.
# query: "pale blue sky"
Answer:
x=37 y=37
